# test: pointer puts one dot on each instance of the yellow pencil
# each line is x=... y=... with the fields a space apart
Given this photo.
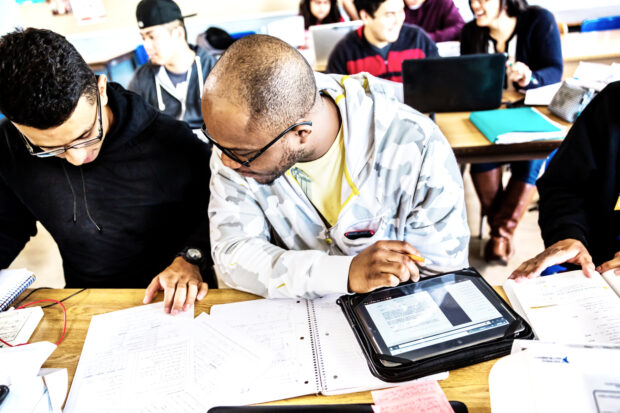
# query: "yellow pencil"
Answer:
x=419 y=259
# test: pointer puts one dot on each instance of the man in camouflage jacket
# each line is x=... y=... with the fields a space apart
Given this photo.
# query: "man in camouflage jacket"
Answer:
x=401 y=187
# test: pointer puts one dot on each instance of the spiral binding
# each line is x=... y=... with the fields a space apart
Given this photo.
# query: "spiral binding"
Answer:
x=8 y=297
x=317 y=352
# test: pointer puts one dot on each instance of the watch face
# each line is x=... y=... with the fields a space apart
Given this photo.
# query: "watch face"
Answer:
x=194 y=253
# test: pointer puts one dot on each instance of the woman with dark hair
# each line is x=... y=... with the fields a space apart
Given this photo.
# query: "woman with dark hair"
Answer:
x=530 y=37
x=320 y=12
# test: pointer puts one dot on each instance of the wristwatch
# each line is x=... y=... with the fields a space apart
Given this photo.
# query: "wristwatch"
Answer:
x=192 y=255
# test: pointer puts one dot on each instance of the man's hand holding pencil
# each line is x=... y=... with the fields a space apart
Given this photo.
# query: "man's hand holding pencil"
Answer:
x=384 y=264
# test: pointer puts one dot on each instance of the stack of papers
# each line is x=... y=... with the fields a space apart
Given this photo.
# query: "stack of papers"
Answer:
x=141 y=359
x=516 y=125
x=542 y=377
x=32 y=389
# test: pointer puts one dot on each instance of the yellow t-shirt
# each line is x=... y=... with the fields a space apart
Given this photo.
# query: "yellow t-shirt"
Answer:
x=321 y=180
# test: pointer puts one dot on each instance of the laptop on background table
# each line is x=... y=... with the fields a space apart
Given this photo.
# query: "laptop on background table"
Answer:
x=326 y=36
x=454 y=84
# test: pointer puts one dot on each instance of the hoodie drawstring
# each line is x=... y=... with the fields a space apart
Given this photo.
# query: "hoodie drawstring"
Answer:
x=158 y=88
x=64 y=169
x=72 y=191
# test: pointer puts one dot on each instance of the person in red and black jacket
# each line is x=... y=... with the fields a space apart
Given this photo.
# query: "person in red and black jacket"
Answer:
x=382 y=43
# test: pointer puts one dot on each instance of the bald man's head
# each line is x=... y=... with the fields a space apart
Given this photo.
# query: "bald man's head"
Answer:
x=265 y=78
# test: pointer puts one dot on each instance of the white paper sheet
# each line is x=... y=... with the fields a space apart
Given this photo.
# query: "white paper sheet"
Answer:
x=17 y=326
x=136 y=359
x=281 y=326
x=548 y=377
x=569 y=307
x=23 y=361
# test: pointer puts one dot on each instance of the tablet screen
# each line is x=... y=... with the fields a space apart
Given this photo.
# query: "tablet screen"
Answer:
x=433 y=316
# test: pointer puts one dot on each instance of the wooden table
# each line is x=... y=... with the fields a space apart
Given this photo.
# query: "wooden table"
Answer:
x=471 y=146
x=469 y=385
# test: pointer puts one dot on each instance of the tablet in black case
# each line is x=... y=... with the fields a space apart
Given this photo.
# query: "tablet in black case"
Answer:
x=440 y=323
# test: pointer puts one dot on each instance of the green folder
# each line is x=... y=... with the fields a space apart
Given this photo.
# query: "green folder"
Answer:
x=515 y=125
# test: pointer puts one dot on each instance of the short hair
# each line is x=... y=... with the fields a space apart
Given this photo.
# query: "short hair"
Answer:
x=268 y=77
x=171 y=26
x=369 y=6
x=42 y=78
x=309 y=19
x=513 y=7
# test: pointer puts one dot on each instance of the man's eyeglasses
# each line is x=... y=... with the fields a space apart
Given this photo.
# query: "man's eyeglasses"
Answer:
x=77 y=144
x=246 y=163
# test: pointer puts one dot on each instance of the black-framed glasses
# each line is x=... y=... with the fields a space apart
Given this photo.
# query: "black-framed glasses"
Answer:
x=246 y=163
x=77 y=144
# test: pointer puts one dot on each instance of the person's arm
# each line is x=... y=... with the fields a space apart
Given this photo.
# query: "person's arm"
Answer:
x=452 y=24
x=437 y=223
x=349 y=7
x=17 y=225
x=245 y=256
x=429 y=46
x=469 y=36
x=546 y=63
x=566 y=188
x=183 y=282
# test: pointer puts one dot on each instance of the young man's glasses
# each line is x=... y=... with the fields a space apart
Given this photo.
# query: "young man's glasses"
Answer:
x=77 y=144
x=246 y=163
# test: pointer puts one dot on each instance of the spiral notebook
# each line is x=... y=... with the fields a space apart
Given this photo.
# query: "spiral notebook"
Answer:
x=12 y=284
x=316 y=350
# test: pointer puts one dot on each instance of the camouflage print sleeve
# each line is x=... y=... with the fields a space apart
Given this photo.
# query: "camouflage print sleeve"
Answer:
x=247 y=258
x=437 y=222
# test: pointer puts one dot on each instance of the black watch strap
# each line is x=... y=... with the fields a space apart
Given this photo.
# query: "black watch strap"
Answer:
x=192 y=255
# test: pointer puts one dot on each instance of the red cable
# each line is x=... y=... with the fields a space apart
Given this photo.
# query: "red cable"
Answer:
x=64 y=327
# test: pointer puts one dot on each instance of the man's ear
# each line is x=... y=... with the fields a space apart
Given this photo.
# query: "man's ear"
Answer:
x=102 y=89
x=303 y=132
x=364 y=16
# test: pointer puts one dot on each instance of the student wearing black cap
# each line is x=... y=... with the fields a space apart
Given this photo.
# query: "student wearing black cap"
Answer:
x=173 y=78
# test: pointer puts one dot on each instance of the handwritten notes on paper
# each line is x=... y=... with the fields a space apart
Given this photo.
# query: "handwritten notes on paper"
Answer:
x=420 y=397
x=141 y=359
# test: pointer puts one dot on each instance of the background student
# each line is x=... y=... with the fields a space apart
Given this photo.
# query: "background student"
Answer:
x=440 y=19
x=120 y=187
x=530 y=36
x=173 y=78
x=324 y=183
x=320 y=12
x=382 y=43
x=580 y=194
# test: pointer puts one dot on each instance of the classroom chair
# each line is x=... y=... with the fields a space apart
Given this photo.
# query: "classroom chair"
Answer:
x=601 y=23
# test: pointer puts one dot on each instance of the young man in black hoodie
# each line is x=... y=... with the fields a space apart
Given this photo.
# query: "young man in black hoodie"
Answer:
x=580 y=194
x=173 y=78
x=122 y=189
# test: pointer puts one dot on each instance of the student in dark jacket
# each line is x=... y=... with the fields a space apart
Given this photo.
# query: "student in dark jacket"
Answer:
x=382 y=43
x=580 y=193
x=173 y=78
x=317 y=12
x=439 y=18
x=122 y=188
x=531 y=38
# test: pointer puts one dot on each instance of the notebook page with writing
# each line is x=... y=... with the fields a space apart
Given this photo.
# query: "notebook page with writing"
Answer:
x=568 y=307
x=342 y=364
x=136 y=359
x=282 y=327
x=613 y=280
x=16 y=326
x=12 y=284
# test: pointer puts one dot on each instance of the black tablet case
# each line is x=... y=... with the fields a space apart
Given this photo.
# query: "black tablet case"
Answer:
x=408 y=370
